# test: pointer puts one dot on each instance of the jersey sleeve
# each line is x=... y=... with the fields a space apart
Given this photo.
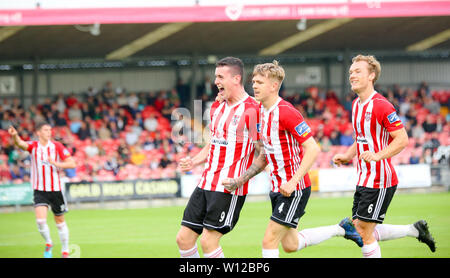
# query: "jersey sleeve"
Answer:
x=292 y=120
x=31 y=145
x=62 y=151
x=387 y=116
x=252 y=121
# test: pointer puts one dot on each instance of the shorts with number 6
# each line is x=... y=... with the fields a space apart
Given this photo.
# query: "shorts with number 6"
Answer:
x=371 y=204
x=212 y=210
x=288 y=210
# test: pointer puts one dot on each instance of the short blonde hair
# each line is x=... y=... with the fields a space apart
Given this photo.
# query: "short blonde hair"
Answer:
x=374 y=65
x=270 y=70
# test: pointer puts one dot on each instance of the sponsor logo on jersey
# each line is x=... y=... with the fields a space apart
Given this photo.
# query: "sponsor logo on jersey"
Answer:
x=362 y=140
x=303 y=129
x=392 y=118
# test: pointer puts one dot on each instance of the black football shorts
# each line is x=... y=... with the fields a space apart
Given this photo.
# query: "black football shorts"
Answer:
x=371 y=204
x=212 y=210
x=53 y=199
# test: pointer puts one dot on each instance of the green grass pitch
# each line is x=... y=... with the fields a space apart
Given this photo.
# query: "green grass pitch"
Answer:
x=150 y=232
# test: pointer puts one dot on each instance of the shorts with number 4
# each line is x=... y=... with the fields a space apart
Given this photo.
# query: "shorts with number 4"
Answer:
x=288 y=210
x=371 y=204
x=212 y=210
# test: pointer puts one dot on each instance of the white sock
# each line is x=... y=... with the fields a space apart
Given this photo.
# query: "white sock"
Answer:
x=63 y=231
x=372 y=250
x=191 y=253
x=388 y=232
x=270 y=253
x=313 y=236
x=44 y=230
x=218 y=253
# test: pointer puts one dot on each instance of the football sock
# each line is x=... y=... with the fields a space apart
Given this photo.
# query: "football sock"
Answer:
x=191 y=253
x=270 y=253
x=218 y=253
x=388 y=232
x=44 y=230
x=313 y=236
x=63 y=231
x=371 y=250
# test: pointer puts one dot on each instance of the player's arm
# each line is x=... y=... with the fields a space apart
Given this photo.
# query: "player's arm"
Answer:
x=344 y=158
x=399 y=142
x=187 y=164
x=17 y=140
x=312 y=150
x=67 y=163
x=258 y=165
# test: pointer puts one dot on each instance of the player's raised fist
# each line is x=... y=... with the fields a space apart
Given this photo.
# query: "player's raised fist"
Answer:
x=186 y=164
x=12 y=131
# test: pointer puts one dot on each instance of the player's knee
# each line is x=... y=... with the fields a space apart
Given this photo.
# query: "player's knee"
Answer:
x=183 y=241
x=289 y=248
x=269 y=241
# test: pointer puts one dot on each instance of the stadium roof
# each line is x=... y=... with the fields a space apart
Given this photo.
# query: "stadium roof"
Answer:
x=47 y=33
x=65 y=42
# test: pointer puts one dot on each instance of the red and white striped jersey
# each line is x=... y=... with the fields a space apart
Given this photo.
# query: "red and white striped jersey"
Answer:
x=233 y=130
x=372 y=121
x=44 y=176
x=283 y=131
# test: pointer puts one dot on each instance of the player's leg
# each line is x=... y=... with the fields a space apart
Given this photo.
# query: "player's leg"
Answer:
x=192 y=224
x=418 y=230
x=187 y=242
x=288 y=211
x=272 y=238
x=59 y=208
x=41 y=204
x=370 y=249
x=222 y=215
x=369 y=209
x=210 y=242
x=41 y=221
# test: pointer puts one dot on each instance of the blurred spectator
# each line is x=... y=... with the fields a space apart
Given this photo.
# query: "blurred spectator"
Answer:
x=91 y=150
x=151 y=124
x=137 y=156
x=113 y=163
x=84 y=132
x=17 y=173
x=430 y=124
x=103 y=132
x=427 y=157
x=346 y=139
x=164 y=161
x=60 y=120
x=75 y=113
x=335 y=138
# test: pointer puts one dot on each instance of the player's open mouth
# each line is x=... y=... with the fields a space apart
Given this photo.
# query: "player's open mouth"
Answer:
x=221 y=89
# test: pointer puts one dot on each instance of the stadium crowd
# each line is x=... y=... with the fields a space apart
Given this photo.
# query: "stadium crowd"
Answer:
x=117 y=135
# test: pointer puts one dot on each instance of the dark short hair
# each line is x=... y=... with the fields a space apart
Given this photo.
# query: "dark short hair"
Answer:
x=235 y=63
x=41 y=124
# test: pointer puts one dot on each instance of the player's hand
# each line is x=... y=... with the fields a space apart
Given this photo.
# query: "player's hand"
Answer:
x=340 y=159
x=12 y=131
x=186 y=164
x=231 y=184
x=369 y=156
x=286 y=189
x=51 y=161
x=220 y=98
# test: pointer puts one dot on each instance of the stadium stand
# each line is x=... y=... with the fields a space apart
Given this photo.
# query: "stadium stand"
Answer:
x=117 y=136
